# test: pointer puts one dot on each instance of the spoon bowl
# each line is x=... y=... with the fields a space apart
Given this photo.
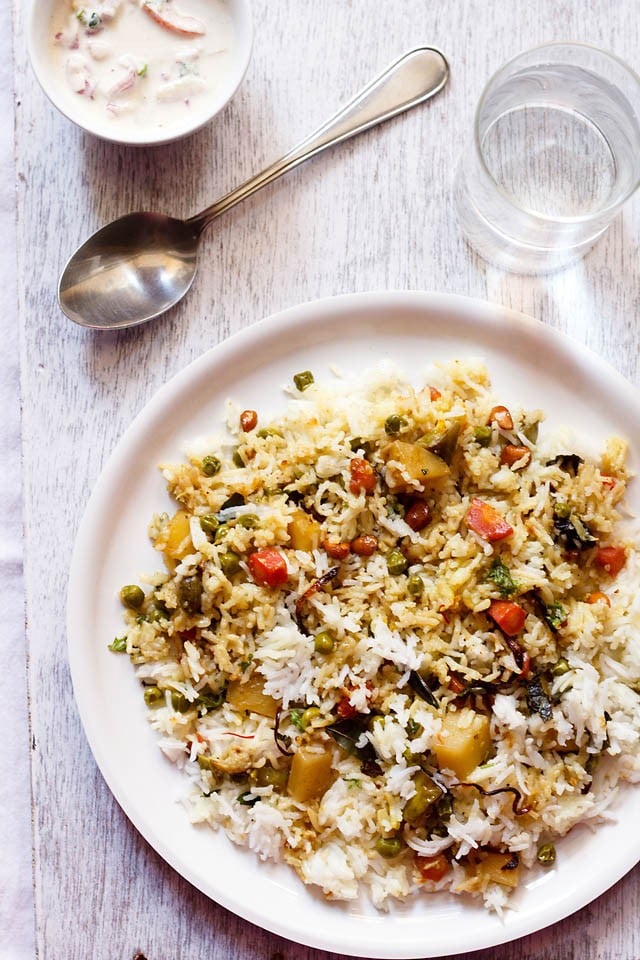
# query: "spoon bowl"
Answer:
x=135 y=268
x=130 y=271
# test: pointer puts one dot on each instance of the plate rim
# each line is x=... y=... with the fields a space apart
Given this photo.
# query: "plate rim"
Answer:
x=485 y=313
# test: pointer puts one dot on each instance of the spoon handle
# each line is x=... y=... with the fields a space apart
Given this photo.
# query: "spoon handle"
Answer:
x=411 y=80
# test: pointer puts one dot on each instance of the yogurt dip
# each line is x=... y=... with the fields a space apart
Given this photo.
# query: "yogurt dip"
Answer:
x=142 y=63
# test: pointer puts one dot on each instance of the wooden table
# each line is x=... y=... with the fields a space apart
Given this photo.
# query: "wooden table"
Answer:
x=375 y=213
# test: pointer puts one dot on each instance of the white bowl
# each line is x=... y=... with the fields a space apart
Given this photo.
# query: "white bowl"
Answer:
x=51 y=78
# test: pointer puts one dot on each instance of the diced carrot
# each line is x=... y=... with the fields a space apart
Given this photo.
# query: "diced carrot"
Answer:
x=346 y=710
x=432 y=868
x=434 y=394
x=598 y=597
x=268 y=567
x=611 y=559
x=509 y=616
x=484 y=520
x=502 y=417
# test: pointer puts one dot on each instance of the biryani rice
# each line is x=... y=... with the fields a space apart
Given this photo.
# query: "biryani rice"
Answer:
x=557 y=701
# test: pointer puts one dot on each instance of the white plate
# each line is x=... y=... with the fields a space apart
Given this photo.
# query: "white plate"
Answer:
x=531 y=365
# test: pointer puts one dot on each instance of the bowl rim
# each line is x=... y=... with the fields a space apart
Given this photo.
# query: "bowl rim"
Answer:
x=241 y=52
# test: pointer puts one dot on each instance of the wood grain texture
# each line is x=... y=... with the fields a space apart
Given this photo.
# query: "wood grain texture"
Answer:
x=375 y=213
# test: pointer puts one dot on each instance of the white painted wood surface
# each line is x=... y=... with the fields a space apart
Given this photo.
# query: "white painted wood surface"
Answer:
x=375 y=213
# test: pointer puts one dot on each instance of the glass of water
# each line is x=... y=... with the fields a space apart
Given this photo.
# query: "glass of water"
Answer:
x=555 y=154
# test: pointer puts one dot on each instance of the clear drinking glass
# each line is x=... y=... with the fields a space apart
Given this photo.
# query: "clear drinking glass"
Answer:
x=555 y=154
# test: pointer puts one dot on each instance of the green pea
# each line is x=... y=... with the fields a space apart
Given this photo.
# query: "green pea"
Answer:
x=153 y=696
x=396 y=563
x=560 y=668
x=248 y=520
x=157 y=611
x=190 y=594
x=303 y=380
x=308 y=716
x=324 y=643
x=237 y=458
x=221 y=533
x=269 y=776
x=230 y=563
x=394 y=424
x=427 y=792
x=132 y=596
x=482 y=436
x=210 y=466
x=209 y=523
x=389 y=847
x=266 y=432
x=546 y=854
x=179 y=702
x=415 y=585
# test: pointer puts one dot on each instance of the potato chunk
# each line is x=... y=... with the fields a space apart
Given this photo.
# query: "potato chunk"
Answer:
x=250 y=696
x=464 y=742
x=304 y=532
x=310 y=774
x=411 y=467
x=176 y=543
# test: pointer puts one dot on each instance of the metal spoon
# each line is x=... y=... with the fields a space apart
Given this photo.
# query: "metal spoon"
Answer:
x=135 y=268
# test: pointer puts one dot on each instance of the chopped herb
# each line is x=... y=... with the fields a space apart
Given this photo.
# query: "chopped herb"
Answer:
x=245 y=664
x=95 y=21
x=500 y=575
x=555 y=615
x=142 y=72
x=119 y=645
x=352 y=781
x=295 y=717
x=247 y=799
x=394 y=424
x=413 y=727
x=210 y=700
x=537 y=700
